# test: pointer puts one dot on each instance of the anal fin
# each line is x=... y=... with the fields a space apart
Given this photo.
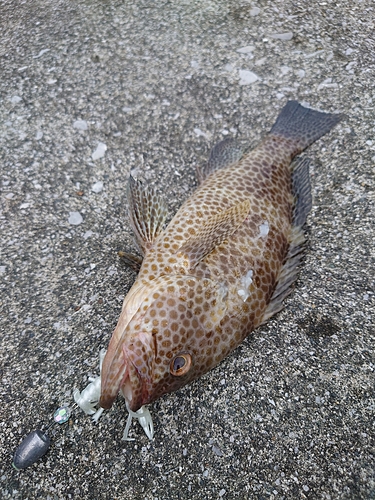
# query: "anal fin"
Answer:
x=147 y=212
x=213 y=232
x=288 y=274
x=301 y=190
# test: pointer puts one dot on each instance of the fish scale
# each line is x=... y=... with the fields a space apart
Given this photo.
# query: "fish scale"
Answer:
x=221 y=267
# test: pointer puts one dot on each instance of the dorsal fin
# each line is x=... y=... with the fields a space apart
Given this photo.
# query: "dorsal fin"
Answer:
x=223 y=154
x=289 y=271
x=213 y=232
x=147 y=212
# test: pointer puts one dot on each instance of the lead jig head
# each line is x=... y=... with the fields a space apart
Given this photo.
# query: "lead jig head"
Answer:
x=36 y=444
x=33 y=447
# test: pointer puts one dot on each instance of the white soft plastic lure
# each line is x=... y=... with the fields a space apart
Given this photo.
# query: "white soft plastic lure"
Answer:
x=88 y=399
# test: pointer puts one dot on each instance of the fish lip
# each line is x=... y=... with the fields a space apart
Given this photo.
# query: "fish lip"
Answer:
x=127 y=390
x=135 y=385
x=109 y=390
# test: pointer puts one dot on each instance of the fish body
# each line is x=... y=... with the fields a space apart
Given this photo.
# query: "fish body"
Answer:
x=221 y=267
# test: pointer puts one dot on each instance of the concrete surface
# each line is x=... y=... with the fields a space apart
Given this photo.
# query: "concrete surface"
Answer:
x=290 y=415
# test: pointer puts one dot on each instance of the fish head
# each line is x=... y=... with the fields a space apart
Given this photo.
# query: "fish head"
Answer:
x=157 y=345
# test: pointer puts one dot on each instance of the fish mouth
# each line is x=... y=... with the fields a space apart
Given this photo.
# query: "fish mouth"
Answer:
x=132 y=393
x=127 y=381
x=136 y=386
x=125 y=371
x=120 y=375
x=112 y=380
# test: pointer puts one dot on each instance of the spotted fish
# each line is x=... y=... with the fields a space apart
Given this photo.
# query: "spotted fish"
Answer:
x=220 y=268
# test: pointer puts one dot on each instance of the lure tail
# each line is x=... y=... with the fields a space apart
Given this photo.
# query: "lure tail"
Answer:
x=303 y=126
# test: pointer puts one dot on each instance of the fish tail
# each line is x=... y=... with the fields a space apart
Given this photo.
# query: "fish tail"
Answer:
x=303 y=126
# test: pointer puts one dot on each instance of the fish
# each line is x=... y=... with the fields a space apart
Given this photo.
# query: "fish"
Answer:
x=221 y=267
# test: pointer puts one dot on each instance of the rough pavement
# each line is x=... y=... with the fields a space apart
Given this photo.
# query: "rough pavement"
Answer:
x=91 y=90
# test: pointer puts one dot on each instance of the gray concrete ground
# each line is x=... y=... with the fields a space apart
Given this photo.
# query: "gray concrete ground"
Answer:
x=290 y=415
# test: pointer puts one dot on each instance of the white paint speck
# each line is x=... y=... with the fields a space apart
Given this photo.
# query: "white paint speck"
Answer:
x=350 y=66
x=38 y=135
x=43 y=51
x=282 y=36
x=97 y=187
x=327 y=83
x=75 y=218
x=99 y=151
x=254 y=11
x=264 y=229
x=246 y=50
x=259 y=62
x=284 y=70
x=313 y=54
x=3 y=269
x=247 y=77
x=198 y=132
x=15 y=99
x=80 y=125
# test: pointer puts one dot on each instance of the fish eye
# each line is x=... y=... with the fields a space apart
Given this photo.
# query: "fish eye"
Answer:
x=180 y=364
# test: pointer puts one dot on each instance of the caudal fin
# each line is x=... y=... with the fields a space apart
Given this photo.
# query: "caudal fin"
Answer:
x=303 y=125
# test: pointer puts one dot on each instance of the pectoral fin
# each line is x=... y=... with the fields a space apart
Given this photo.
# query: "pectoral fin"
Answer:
x=131 y=260
x=213 y=232
x=147 y=212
